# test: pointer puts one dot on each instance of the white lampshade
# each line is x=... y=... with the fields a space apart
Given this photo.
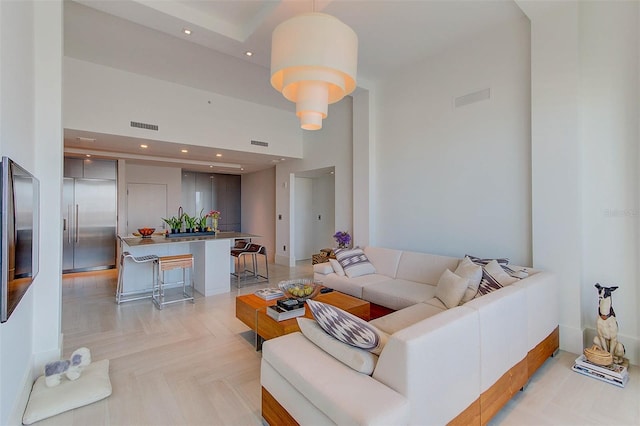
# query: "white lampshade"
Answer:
x=314 y=61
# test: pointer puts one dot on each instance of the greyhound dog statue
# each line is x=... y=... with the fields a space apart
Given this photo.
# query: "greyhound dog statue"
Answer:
x=607 y=325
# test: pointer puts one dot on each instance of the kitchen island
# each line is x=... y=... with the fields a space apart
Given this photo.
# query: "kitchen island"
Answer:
x=212 y=260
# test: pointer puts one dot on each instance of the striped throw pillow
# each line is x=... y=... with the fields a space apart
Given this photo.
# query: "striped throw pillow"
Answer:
x=354 y=262
x=347 y=328
x=492 y=282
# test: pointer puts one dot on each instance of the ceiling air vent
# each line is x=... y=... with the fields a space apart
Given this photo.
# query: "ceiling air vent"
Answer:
x=259 y=143
x=144 y=125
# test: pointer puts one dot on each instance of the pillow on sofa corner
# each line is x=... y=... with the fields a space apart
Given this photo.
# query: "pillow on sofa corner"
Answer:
x=451 y=288
x=323 y=268
x=489 y=283
x=358 y=359
x=354 y=262
x=337 y=268
x=496 y=271
x=348 y=328
x=469 y=270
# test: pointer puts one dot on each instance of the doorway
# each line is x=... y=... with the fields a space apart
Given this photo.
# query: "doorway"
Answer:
x=314 y=212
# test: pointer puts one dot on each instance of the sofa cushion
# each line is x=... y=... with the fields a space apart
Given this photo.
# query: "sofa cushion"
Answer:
x=397 y=294
x=423 y=267
x=359 y=359
x=469 y=270
x=384 y=260
x=451 y=288
x=337 y=268
x=408 y=316
x=331 y=385
x=347 y=328
x=352 y=286
x=354 y=262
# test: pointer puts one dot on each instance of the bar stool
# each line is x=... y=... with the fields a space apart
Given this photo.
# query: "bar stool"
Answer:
x=252 y=250
x=121 y=295
x=168 y=263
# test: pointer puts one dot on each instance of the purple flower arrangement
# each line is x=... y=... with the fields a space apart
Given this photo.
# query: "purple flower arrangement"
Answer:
x=342 y=238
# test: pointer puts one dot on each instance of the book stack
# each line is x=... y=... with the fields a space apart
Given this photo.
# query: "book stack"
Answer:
x=615 y=374
x=286 y=309
x=269 y=293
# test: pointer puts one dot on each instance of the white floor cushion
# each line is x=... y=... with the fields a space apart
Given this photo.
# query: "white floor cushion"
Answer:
x=93 y=385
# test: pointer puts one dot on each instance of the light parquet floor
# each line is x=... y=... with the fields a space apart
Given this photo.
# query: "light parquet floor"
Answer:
x=194 y=364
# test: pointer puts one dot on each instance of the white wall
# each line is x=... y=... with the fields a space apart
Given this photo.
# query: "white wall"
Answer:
x=457 y=180
x=105 y=100
x=259 y=206
x=609 y=41
x=329 y=147
x=585 y=91
x=31 y=134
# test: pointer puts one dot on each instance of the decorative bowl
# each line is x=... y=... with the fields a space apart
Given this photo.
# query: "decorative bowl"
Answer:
x=302 y=289
x=146 y=232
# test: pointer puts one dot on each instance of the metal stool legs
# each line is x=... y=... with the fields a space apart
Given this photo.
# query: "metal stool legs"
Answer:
x=121 y=295
x=245 y=274
x=168 y=263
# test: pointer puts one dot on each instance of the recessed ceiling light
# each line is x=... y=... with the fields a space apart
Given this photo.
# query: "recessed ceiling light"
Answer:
x=81 y=139
x=332 y=172
x=144 y=146
x=218 y=155
x=187 y=31
x=211 y=167
x=88 y=155
x=184 y=150
x=241 y=169
x=248 y=53
x=282 y=159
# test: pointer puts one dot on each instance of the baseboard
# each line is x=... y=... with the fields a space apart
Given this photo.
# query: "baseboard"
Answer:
x=571 y=339
x=15 y=418
x=283 y=260
x=631 y=344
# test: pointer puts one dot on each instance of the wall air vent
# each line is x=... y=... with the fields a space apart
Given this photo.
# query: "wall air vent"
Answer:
x=259 y=143
x=470 y=98
x=144 y=125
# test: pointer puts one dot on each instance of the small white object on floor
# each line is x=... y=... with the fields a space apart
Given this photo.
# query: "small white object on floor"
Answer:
x=72 y=367
x=92 y=386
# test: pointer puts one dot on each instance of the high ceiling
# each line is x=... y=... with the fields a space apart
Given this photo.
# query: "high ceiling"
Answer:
x=392 y=35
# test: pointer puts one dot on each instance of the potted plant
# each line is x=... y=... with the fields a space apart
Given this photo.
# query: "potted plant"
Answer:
x=189 y=222
x=202 y=221
x=175 y=223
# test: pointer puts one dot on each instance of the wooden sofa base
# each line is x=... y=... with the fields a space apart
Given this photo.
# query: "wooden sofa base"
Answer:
x=480 y=411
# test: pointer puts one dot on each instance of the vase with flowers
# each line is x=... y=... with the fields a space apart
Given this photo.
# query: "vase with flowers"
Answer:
x=342 y=238
x=215 y=216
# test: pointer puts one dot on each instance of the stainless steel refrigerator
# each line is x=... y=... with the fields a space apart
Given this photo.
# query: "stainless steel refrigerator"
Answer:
x=89 y=224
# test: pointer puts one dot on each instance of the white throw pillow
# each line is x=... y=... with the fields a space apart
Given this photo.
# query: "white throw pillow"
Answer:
x=469 y=270
x=494 y=269
x=451 y=288
x=358 y=359
x=323 y=268
x=337 y=268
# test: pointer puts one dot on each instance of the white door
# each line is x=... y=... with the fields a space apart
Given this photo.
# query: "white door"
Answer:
x=146 y=206
x=303 y=218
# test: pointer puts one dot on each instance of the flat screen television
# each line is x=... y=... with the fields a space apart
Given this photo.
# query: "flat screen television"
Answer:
x=19 y=230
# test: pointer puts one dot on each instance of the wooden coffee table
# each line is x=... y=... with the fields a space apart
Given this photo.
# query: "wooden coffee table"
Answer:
x=252 y=310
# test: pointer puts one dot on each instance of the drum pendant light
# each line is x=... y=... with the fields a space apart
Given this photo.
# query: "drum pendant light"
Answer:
x=314 y=61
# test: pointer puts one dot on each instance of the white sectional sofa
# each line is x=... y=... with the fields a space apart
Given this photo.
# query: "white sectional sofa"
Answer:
x=439 y=365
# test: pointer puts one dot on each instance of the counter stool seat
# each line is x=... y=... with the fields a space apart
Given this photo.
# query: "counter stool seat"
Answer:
x=168 y=263
x=121 y=295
